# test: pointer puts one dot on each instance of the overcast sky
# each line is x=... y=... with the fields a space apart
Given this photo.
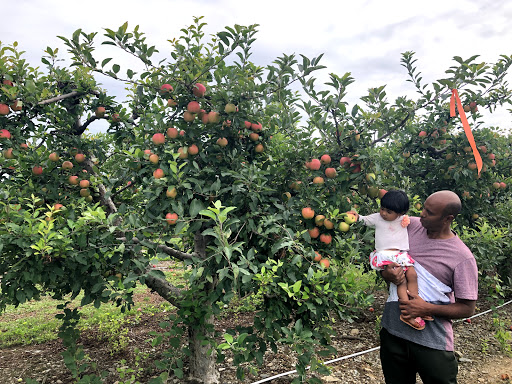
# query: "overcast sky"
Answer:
x=365 y=38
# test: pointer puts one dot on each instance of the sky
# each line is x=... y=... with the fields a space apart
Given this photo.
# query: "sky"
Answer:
x=365 y=38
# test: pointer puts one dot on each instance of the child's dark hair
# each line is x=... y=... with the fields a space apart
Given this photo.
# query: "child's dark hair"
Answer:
x=395 y=200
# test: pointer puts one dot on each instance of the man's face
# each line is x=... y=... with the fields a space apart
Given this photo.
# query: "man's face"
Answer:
x=431 y=216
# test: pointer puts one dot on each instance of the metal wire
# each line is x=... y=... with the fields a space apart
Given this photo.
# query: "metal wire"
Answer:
x=366 y=351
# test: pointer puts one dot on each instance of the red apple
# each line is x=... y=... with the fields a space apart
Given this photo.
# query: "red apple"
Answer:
x=193 y=107
x=382 y=192
x=8 y=153
x=213 y=117
x=356 y=166
x=222 y=142
x=324 y=263
x=317 y=257
x=318 y=180
x=422 y=134
x=247 y=124
x=491 y=156
x=188 y=116
x=315 y=164
x=24 y=146
x=37 y=170
x=4 y=109
x=154 y=158
x=171 y=103
x=314 y=232
x=256 y=127
x=325 y=238
x=325 y=159
x=158 y=173
x=193 y=150
x=308 y=213
x=67 y=165
x=100 y=112
x=7 y=82
x=254 y=136
x=73 y=180
x=503 y=185
x=171 y=218
x=345 y=160
x=199 y=90
x=158 y=139
x=80 y=157
x=172 y=133
x=166 y=88
x=58 y=206
x=84 y=183
x=259 y=148
x=5 y=134
x=330 y=173
x=116 y=118
x=183 y=152
x=54 y=157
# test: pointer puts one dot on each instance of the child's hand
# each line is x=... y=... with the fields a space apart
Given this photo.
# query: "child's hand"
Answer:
x=405 y=221
x=355 y=214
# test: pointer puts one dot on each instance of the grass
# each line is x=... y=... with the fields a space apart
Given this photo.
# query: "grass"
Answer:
x=34 y=322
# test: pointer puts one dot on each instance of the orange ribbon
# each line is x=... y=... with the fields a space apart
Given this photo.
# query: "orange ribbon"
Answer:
x=467 y=129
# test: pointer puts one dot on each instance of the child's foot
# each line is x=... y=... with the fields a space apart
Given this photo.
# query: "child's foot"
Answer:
x=427 y=318
x=416 y=323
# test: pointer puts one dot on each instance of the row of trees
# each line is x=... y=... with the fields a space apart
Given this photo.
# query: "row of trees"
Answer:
x=217 y=162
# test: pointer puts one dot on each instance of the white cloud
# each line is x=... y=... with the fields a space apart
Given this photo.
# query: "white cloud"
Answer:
x=361 y=37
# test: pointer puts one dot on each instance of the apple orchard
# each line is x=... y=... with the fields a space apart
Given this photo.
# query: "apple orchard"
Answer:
x=216 y=162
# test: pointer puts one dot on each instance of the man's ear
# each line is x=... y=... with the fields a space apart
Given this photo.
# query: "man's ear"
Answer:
x=449 y=218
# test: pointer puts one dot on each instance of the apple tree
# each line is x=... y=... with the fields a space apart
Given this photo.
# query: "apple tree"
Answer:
x=216 y=162
x=207 y=151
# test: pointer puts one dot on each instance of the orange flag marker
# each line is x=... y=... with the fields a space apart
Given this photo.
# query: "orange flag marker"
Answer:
x=455 y=101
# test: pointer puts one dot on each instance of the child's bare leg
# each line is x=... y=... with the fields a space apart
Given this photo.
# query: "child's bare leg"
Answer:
x=401 y=290
x=412 y=280
x=412 y=285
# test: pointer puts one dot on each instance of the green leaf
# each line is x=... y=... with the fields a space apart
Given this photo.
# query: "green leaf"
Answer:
x=196 y=207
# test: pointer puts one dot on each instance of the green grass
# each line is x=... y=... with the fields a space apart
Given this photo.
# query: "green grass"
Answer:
x=34 y=322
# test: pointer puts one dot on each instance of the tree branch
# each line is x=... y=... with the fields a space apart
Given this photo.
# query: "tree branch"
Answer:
x=402 y=123
x=66 y=96
x=165 y=289
x=165 y=249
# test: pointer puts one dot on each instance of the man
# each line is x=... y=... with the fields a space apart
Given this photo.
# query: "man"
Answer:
x=448 y=286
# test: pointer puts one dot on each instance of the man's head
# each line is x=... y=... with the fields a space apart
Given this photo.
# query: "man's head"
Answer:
x=439 y=210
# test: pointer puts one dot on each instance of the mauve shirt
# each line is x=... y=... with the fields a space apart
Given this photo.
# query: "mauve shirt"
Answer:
x=446 y=269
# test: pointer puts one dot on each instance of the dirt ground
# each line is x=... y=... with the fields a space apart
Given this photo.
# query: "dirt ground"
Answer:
x=481 y=358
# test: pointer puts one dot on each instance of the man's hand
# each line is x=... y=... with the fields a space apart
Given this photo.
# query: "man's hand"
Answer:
x=393 y=273
x=414 y=307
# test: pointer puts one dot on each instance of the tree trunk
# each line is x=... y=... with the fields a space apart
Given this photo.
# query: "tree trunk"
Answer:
x=202 y=361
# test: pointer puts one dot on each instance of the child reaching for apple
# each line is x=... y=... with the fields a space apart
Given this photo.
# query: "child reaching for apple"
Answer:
x=392 y=244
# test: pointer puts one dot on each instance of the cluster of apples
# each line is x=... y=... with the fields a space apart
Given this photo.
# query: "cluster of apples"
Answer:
x=316 y=164
x=67 y=166
x=255 y=135
x=499 y=185
x=16 y=105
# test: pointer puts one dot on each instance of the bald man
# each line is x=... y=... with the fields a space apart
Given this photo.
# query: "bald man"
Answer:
x=447 y=281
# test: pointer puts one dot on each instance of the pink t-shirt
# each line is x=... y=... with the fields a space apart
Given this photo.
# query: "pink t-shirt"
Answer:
x=446 y=270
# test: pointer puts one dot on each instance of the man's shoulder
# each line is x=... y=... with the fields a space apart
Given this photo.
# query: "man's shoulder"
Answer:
x=415 y=224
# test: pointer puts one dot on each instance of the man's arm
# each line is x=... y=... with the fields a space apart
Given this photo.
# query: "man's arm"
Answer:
x=416 y=306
